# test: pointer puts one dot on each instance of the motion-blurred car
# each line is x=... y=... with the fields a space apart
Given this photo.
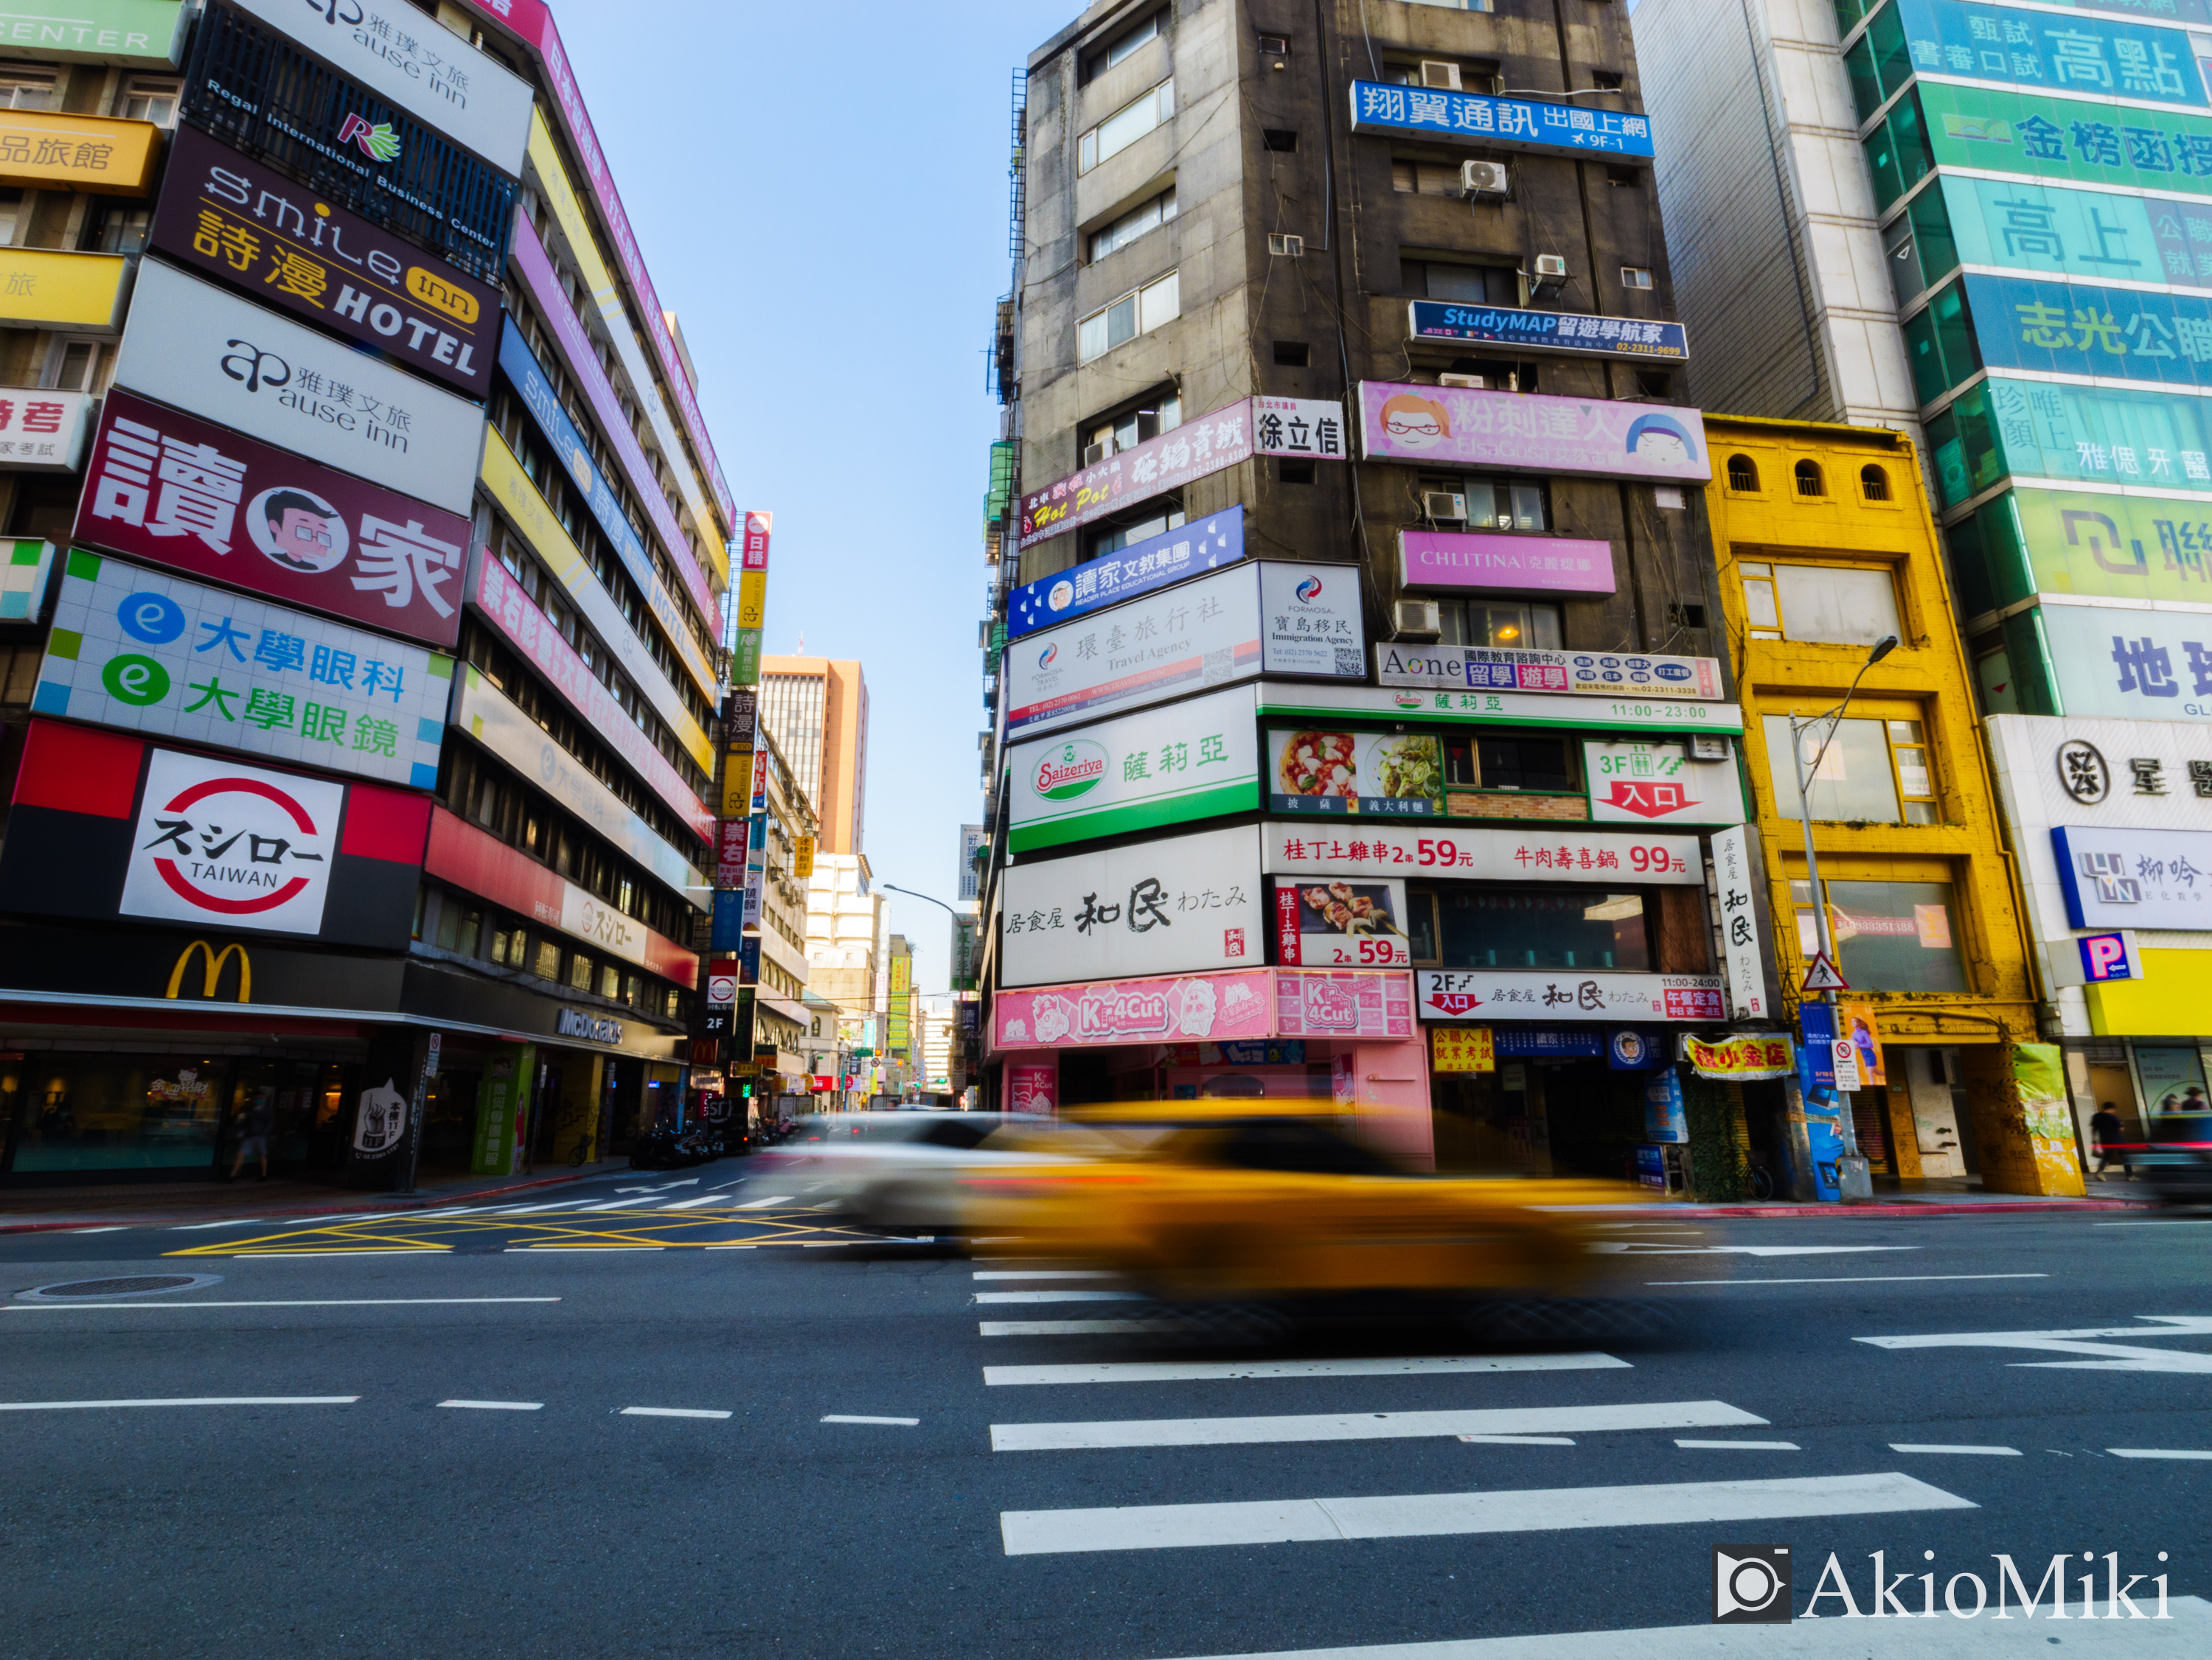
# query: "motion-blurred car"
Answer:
x=1213 y=1201
x=2176 y=1159
x=899 y=1170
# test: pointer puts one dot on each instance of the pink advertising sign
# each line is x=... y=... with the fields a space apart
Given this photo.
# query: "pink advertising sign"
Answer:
x=1243 y=1003
x=1033 y=1086
x=1192 y=451
x=1518 y=564
x=1458 y=426
x=1341 y=1004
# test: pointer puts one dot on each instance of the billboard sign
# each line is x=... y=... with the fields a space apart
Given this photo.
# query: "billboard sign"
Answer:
x=1608 y=673
x=1311 y=621
x=143 y=32
x=1997 y=129
x=1188 y=550
x=202 y=349
x=1633 y=781
x=2134 y=879
x=153 y=653
x=1463 y=561
x=1464 y=427
x=44 y=431
x=1735 y=900
x=1469 y=117
x=1176 y=905
x=2115 y=546
x=1546 y=331
x=1193 y=760
x=2051 y=49
x=1542 y=851
x=2131 y=662
x=1238 y=1006
x=1342 y=925
x=1387 y=774
x=2093 y=434
x=174 y=491
x=243 y=223
x=1514 y=994
x=2072 y=328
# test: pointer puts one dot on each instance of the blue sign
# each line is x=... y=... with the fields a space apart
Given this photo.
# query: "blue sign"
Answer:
x=2107 y=957
x=749 y=959
x=1816 y=1055
x=1630 y=1051
x=544 y=406
x=1545 y=1043
x=1825 y=1141
x=1476 y=118
x=2075 y=328
x=2106 y=434
x=1663 y=1117
x=2086 y=55
x=1651 y=1167
x=1286 y=1052
x=1547 y=331
x=1188 y=550
x=729 y=924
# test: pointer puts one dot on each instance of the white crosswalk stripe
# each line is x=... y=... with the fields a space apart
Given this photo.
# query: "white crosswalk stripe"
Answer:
x=1061 y=1297
x=1176 y=1372
x=1368 y=1425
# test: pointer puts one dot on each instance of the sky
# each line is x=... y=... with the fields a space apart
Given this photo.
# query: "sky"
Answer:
x=831 y=231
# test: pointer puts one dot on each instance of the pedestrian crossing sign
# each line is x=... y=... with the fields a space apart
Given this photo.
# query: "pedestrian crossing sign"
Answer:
x=1822 y=975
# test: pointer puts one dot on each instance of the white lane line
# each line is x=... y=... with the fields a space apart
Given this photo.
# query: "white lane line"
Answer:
x=1177 y=1371
x=278 y=1302
x=1072 y=1327
x=1848 y=1280
x=1748 y=1446
x=619 y=1204
x=861 y=1418
x=1061 y=1297
x=733 y=1247
x=670 y=1411
x=693 y=1204
x=186 y=1401
x=195 y=1227
x=573 y=1250
x=1638 y=1248
x=1155 y=1527
x=1938 y=1446
x=2176 y=1221
x=2188 y=1631
x=2156 y=1453
x=1520 y=1440
x=374 y=1250
x=763 y=1204
x=1367 y=1426
x=1045 y=1273
x=526 y=1209
x=496 y=1406
x=117 y=1227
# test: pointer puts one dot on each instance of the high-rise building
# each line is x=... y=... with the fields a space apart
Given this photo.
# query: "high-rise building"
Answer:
x=2014 y=204
x=354 y=683
x=818 y=708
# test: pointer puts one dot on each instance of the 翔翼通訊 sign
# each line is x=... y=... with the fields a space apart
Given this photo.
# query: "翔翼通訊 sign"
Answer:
x=1477 y=118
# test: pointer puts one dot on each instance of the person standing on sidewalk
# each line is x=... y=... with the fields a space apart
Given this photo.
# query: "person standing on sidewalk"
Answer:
x=2105 y=1130
x=260 y=1120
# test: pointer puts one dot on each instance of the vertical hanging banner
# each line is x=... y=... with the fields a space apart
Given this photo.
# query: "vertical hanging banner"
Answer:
x=751 y=600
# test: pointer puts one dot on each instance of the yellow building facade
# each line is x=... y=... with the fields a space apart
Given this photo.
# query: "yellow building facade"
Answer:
x=1823 y=543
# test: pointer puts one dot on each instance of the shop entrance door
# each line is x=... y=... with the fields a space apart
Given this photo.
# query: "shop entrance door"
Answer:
x=1935 y=1120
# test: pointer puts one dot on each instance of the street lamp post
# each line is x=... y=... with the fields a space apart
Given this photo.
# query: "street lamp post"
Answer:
x=1834 y=717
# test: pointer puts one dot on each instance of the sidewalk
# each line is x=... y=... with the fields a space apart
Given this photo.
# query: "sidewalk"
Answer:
x=1888 y=1206
x=31 y=1210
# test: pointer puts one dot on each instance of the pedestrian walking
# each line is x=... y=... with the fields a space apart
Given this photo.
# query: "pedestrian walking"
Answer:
x=2105 y=1130
x=260 y=1120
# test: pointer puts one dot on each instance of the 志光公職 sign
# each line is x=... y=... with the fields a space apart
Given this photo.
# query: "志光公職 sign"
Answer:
x=1171 y=905
x=241 y=222
x=2044 y=49
x=1546 y=331
x=1192 y=759
x=432 y=74
x=203 y=350
x=155 y=654
x=1462 y=427
x=1544 y=852
x=1596 y=673
x=2070 y=328
x=1188 y=550
x=1477 y=118
x=168 y=488
x=140 y=32
x=1521 y=564
x=1509 y=994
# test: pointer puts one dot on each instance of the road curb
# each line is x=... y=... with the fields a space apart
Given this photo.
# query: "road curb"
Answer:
x=1887 y=1212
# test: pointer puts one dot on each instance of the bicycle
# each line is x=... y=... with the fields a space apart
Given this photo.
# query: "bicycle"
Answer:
x=587 y=1143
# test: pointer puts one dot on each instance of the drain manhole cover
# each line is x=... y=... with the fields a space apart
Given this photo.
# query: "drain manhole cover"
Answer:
x=73 y=1291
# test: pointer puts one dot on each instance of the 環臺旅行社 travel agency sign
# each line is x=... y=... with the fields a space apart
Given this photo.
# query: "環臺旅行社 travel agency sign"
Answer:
x=1546 y=331
x=1477 y=118
x=238 y=221
x=1191 y=759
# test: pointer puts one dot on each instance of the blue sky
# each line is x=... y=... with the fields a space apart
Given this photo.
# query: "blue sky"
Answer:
x=825 y=210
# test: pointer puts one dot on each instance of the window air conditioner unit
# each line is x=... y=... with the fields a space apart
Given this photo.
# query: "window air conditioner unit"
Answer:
x=1418 y=619
x=1443 y=507
x=1434 y=74
x=1480 y=178
x=1095 y=453
x=1290 y=247
x=1274 y=45
x=1474 y=383
x=1551 y=268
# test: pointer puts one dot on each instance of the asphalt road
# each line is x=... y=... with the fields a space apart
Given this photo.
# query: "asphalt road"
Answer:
x=818 y=1445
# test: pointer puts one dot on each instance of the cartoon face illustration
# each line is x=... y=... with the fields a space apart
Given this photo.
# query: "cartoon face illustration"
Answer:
x=1415 y=423
x=1662 y=441
x=298 y=530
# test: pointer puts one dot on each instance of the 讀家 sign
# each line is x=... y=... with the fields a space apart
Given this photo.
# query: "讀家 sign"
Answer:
x=1477 y=118
x=1188 y=550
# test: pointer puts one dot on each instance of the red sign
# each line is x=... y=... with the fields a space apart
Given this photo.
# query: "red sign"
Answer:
x=757 y=525
x=1695 y=1004
x=181 y=493
x=722 y=983
x=1650 y=798
x=1286 y=925
x=1033 y=1086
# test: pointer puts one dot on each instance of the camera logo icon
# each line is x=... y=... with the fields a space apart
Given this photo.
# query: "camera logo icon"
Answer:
x=1751 y=1585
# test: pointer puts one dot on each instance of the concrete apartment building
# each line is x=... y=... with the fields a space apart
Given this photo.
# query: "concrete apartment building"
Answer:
x=817 y=707
x=782 y=1024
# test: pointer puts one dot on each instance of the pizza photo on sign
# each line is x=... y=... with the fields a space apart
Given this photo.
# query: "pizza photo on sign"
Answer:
x=1357 y=772
x=1317 y=771
x=1342 y=925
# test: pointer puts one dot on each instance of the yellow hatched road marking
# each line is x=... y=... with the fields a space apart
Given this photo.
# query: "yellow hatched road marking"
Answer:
x=684 y=1231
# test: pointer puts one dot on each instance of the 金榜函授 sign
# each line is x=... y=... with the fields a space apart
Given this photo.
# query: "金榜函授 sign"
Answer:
x=1460 y=560
x=2066 y=51
x=1385 y=774
x=253 y=87
x=1209 y=632
x=1464 y=426
x=1546 y=331
x=432 y=73
x=1541 y=852
x=178 y=492
x=2070 y=328
x=1172 y=905
x=1512 y=994
x=125 y=32
x=202 y=349
x=43 y=432
x=1254 y=426
x=105 y=824
x=1188 y=550
x=1501 y=668
x=243 y=223
x=2107 y=143
x=2142 y=879
x=487 y=715
x=1477 y=118
x=154 y=653
x=2099 y=435
x=2129 y=661
x=1633 y=781
x=1193 y=760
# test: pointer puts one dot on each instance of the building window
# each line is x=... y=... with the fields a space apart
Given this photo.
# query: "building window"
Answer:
x=1874 y=484
x=1293 y=354
x=580 y=972
x=1471 y=285
x=1512 y=761
x=1511 y=624
x=119 y=227
x=1890 y=936
x=1424 y=178
x=1131 y=225
x=22 y=88
x=1828 y=604
x=1486 y=926
x=1125 y=126
x=1283 y=141
x=1111 y=434
x=1475 y=75
x=1874 y=772
x=508 y=946
x=1112 y=538
x=1635 y=276
x=1742 y=473
x=81 y=365
x=548 y=966
x=1137 y=312
x=1492 y=504
x=458 y=927
x=1454 y=5
x=1125 y=47
x=150 y=98
x=1810 y=481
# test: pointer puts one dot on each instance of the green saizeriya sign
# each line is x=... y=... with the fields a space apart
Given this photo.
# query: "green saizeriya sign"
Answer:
x=95 y=30
x=2076 y=541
